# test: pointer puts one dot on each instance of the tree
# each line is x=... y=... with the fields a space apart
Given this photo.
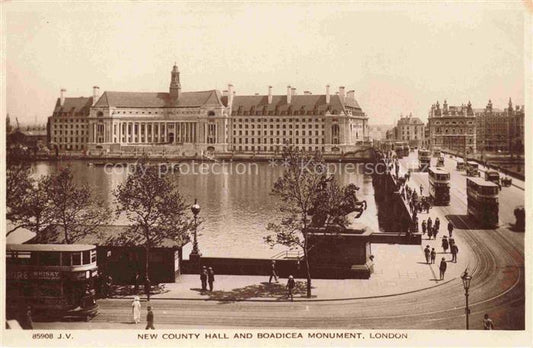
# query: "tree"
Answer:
x=154 y=206
x=75 y=210
x=306 y=190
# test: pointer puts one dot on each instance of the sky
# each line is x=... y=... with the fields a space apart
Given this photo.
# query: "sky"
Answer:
x=400 y=58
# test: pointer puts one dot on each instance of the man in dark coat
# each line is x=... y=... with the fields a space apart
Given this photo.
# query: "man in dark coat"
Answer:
x=150 y=319
x=290 y=287
x=203 y=278
x=450 y=229
x=442 y=268
x=454 y=250
x=273 y=273
x=210 y=278
x=427 y=253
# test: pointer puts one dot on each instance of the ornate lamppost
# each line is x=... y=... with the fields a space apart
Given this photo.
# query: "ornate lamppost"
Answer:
x=195 y=209
x=466 y=284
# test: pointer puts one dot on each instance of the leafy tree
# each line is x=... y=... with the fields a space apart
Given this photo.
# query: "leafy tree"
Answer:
x=154 y=206
x=74 y=209
x=306 y=190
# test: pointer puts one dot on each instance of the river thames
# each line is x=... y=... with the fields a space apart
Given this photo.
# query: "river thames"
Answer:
x=235 y=199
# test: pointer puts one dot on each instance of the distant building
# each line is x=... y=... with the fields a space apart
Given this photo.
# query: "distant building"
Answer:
x=208 y=121
x=409 y=129
x=33 y=138
x=500 y=130
x=452 y=128
x=378 y=132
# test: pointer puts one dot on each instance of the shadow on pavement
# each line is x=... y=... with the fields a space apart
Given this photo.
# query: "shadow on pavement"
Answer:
x=262 y=290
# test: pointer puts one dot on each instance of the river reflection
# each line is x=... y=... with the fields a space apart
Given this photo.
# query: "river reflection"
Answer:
x=236 y=205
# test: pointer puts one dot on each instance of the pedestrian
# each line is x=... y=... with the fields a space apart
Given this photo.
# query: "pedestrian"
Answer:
x=450 y=229
x=445 y=244
x=109 y=286
x=211 y=278
x=136 y=309
x=203 y=278
x=430 y=233
x=150 y=319
x=442 y=268
x=290 y=287
x=273 y=273
x=437 y=223
x=430 y=224
x=421 y=190
x=427 y=253
x=423 y=227
x=147 y=287
x=487 y=323
x=433 y=255
x=435 y=231
x=454 y=250
x=28 y=319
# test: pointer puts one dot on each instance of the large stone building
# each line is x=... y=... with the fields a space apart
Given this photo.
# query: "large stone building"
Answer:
x=500 y=130
x=452 y=128
x=179 y=122
x=408 y=129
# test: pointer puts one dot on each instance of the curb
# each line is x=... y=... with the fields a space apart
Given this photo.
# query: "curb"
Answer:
x=283 y=301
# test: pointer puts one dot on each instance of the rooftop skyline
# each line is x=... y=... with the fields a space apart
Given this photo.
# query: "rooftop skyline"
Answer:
x=399 y=58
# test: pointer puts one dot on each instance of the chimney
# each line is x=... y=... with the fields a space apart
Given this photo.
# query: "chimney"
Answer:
x=341 y=92
x=231 y=94
x=350 y=94
x=289 y=94
x=270 y=94
x=62 y=96
x=293 y=91
x=327 y=94
x=307 y=93
x=96 y=94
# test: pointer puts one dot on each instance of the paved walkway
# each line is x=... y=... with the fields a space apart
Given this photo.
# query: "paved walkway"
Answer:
x=398 y=269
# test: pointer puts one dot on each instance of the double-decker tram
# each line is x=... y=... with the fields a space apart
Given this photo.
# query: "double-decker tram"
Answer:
x=55 y=280
x=460 y=164
x=399 y=150
x=439 y=186
x=482 y=199
x=472 y=168
x=424 y=159
x=436 y=152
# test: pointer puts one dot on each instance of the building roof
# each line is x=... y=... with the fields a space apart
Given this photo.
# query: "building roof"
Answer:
x=73 y=106
x=302 y=103
x=410 y=121
x=105 y=235
x=158 y=100
x=48 y=247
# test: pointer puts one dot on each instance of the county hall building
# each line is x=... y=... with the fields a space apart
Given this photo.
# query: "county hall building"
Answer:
x=177 y=122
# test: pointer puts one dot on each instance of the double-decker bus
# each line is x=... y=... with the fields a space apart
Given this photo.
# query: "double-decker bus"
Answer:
x=399 y=150
x=439 y=186
x=424 y=159
x=482 y=199
x=460 y=164
x=56 y=280
x=472 y=168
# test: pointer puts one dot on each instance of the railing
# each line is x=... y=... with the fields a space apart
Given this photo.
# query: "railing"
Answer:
x=288 y=254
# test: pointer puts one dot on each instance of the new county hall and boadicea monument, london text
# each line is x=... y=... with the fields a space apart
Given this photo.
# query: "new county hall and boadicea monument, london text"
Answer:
x=177 y=121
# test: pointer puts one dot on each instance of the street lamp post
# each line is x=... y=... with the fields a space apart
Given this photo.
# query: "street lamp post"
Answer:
x=466 y=284
x=195 y=209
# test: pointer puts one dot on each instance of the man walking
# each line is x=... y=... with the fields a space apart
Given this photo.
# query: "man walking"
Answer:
x=273 y=273
x=433 y=255
x=454 y=250
x=203 y=278
x=211 y=278
x=290 y=287
x=442 y=268
x=445 y=244
x=450 y=229
x=423 y=227
x=430 y=224
x=150 y=319
x=437 y=223
x=427 y=253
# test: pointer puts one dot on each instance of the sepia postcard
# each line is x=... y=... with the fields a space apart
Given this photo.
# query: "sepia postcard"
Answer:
x=262 y=173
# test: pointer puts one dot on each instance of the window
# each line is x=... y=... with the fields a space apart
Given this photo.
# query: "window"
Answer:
x=76 y=258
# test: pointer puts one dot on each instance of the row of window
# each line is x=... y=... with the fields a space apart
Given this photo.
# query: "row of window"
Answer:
x=71 y=140
x=275 y=148
x=176 y=112
x=60 y=125
x=297 y=133
x=71 y=132
x=278 y=120
x=246 y=126
x=277 y=141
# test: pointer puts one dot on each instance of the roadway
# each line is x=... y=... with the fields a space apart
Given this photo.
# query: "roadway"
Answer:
x=496 y=262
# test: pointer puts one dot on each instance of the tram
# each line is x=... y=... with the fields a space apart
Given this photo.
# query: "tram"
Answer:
x=424 y=159
x=399 y=150
x=440 y=161
x=460 y=164
x=436 y=152
x=56 y=280
x=439 y=186
x=482 y=197
x=493 y=176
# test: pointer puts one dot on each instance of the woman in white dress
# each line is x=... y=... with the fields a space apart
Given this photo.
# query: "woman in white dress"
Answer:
x=136 y=308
